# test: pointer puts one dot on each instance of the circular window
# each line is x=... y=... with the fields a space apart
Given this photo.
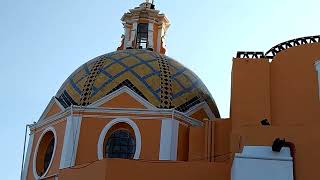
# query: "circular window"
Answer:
x=44 y=152
x=120 y=144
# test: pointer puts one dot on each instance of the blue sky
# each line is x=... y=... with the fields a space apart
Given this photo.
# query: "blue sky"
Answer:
x=42 y=42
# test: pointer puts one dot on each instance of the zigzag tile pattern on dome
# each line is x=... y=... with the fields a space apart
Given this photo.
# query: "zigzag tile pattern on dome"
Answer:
x=159 y=79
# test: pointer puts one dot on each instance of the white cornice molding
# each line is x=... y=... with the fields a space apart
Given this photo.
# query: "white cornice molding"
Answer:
x=49 y=106
x=130 y=111
x=50 y=119
x=203 y=106
x=165 y=112
x=116 y=93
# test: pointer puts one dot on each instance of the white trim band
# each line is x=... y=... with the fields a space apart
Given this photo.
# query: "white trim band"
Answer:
x=169 y=139
x=70 y=143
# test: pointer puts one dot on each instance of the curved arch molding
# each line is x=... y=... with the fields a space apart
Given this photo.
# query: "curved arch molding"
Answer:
x=109 y=125
x=34 y=169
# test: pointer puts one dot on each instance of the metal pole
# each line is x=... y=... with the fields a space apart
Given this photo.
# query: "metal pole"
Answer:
x=24 y=149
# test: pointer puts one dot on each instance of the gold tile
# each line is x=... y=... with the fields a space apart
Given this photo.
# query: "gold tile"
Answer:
x=100 y=80
x=114 y=69
x=73 y=93
x=119 y=55
x=81 y=83
x=145 y=56
x=142 y=70
x=154 y=82
x=191 y=76
x=106 y=62
x=80 y=74
x=154 y=65
x=130 y=61
x=184 y=81
x=176 y=64
x=176 y=88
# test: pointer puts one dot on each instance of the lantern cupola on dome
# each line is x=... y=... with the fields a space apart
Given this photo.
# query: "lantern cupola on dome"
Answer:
x=141 y=65
x=144 y=28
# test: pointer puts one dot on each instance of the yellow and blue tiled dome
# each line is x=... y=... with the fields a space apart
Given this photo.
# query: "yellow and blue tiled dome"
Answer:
x=159 y=79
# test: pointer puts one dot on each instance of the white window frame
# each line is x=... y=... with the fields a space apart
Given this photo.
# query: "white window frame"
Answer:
x=35 y=173
x=107 y=128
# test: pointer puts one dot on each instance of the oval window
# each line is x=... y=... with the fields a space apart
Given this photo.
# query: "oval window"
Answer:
x=120 y=144
x=45 y=153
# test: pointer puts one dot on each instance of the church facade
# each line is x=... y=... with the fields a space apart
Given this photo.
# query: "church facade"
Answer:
x=138 y=114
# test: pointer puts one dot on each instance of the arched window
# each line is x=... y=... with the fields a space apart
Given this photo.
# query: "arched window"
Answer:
x=48 y=155
x=120 y=144
x=142 y=36
x=44 y=152
x=120 y=138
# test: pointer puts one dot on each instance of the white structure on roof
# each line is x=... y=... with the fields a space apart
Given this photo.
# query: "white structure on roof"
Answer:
x=261 y=163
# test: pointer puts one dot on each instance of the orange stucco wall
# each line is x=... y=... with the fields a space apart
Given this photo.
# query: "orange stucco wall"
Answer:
x=123 y=100
x=197 y=144
x=183 y=142
x=222 y=136
x=250 y=95
x=53 y=110
x=286 y=92
x=91 y=129
x=294 y=85
x=200 y=115
x=54 y=168
x=115 y=169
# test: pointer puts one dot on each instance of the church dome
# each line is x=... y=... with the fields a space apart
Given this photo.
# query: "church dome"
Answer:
x=157 y=78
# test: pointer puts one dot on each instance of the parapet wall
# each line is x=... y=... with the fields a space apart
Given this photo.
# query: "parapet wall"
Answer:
x=121 y=169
